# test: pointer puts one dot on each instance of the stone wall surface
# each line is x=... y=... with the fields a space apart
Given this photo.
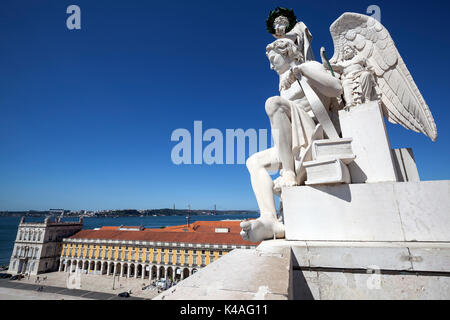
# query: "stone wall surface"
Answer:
x=239 y=275
x=406 y=211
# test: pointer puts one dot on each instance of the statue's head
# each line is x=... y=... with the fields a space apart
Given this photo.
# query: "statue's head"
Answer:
x=281 y=53
x=348 y=52
x=280 y=25
x=281 y=21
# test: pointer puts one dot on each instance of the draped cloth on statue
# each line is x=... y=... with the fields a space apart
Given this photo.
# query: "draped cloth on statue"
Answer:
x=302 y=38
x=303 y=130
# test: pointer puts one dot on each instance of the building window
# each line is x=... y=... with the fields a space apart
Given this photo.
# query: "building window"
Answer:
x=39 y=236
x=34 y=236
x=147 y=256
x=170 y=259
x=203 y=260
x=178 y=259
x=20 y=235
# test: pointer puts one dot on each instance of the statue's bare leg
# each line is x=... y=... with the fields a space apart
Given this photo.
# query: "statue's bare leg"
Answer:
x=279 y=111
x=348 y=93
x=367 y=84
x=267 y=225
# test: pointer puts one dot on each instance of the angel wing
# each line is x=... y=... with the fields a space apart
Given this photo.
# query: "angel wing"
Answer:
x=401 y=100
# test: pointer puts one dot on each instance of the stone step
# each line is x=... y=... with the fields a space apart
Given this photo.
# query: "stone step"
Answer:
x=333 y=149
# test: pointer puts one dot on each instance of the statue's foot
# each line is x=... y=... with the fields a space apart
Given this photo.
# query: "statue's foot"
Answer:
x=262 y=229
x=286 y=179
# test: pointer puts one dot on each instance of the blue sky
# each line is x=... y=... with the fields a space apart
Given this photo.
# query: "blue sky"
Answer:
x=86 y=116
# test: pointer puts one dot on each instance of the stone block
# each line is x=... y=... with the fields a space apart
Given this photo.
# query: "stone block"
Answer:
x=367 y=270
x=331 y=171
x=424 y=208
x=362 y=255
x=333 y=149
x=351 y=286
x=365 y=125
x=358 y=212
x=430 y=257
x=411 y=211
x=238 y=275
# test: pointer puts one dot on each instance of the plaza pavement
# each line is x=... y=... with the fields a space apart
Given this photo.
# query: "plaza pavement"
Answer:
x=25 y=294
x=91 y=286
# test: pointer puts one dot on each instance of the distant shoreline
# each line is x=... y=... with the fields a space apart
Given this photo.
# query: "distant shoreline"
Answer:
x=125 y=213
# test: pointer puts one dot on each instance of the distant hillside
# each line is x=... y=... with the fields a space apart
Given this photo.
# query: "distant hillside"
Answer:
x=125 y=212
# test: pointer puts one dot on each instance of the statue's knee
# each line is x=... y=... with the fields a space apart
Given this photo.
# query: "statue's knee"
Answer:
x=251 y=162
x=273 y=105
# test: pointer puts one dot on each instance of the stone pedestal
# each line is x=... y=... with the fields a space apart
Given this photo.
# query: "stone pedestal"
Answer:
x=365 y=124
x=401 y=211
x=340 y=270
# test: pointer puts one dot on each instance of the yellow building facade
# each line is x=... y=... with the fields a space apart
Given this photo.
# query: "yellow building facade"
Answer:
x=148 y=253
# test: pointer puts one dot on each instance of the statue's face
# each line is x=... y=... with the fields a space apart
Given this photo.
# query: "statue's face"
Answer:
x=280 y=24
x=349 y=53
x=278 y=62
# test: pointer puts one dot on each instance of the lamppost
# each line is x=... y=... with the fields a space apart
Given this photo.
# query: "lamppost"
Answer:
x=114 y=277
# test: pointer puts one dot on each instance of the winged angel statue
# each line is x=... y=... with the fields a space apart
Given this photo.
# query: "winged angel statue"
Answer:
x=367 y=58
x=366 y=66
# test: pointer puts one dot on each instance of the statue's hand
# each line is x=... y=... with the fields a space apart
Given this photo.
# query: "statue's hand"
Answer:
x=296 y=72
x=286 y=83
x=323 y=56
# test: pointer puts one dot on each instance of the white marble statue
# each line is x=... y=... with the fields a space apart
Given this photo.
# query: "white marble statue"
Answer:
x=293 y=127
x=368 y=67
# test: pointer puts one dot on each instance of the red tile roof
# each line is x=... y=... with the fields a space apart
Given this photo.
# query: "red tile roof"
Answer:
x=201 y=232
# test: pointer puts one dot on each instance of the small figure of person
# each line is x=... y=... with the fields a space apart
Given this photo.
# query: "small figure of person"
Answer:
x=357 y=78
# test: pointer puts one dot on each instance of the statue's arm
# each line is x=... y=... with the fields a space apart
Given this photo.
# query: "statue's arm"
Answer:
x=336 y=67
